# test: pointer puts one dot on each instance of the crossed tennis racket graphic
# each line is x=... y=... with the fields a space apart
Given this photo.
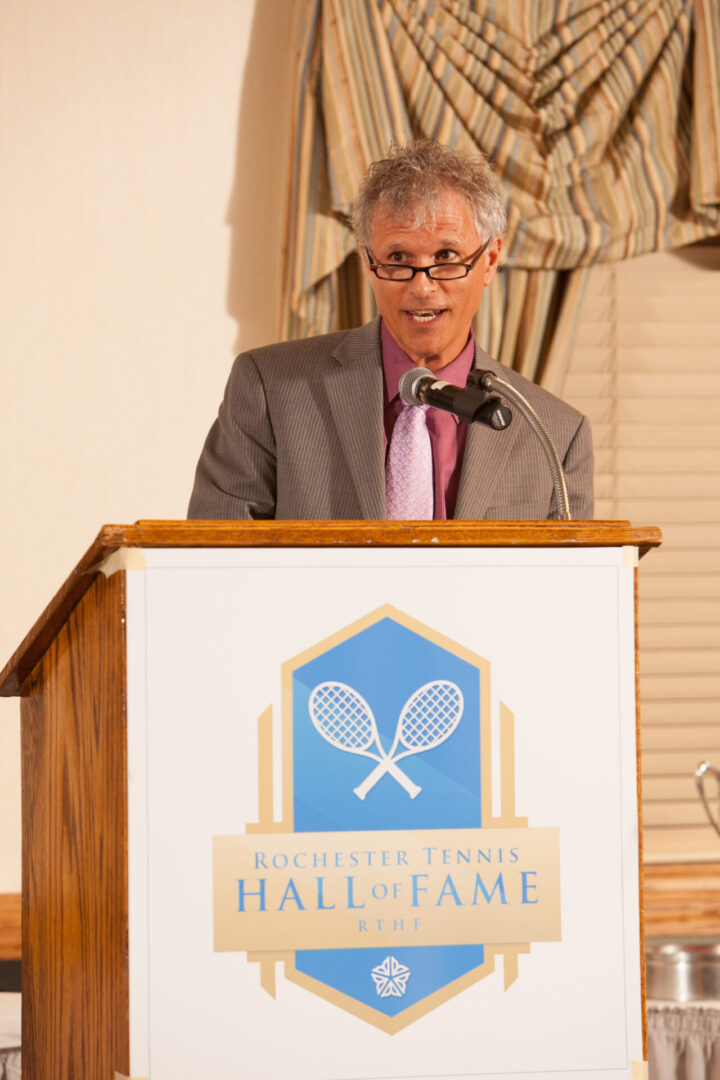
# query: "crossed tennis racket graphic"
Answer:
x=344 y=719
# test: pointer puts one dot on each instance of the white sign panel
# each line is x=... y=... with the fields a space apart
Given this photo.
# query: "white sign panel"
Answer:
x=383 y=817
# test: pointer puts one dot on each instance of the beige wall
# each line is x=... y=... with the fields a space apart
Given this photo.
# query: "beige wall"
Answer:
x=144 y=149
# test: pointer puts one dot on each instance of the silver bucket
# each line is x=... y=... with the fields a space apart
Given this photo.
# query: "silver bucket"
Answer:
x=683 y=972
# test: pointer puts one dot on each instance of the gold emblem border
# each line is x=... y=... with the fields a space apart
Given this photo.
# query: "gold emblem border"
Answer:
x=506 y=819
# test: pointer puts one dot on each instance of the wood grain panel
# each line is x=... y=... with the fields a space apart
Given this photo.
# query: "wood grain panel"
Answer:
x=9 y=926
x=682 y=900
x=75 y=975
x=382 y=534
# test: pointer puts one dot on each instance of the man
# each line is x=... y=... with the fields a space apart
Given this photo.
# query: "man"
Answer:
x=314 y=429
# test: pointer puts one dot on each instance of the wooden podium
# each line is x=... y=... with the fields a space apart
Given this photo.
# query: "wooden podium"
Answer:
x=164 y=692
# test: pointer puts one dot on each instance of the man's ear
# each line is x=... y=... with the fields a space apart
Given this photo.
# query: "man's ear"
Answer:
x=493 y=251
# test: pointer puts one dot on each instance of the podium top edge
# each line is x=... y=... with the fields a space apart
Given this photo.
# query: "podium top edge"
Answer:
x=380 y=534
x=227 y=534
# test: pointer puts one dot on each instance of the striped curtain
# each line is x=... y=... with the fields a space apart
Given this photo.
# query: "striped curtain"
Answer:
x=602 y=118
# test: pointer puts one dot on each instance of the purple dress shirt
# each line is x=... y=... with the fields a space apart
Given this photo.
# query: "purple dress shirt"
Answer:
x=447 y=433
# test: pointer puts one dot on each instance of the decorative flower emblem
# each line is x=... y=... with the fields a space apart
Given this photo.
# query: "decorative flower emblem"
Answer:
x=390 y=978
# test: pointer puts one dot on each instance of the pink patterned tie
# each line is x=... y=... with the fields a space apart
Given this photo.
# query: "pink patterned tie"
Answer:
x=409 y=468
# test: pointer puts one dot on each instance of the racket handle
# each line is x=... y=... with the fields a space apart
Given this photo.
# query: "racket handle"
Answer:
x=379 y=771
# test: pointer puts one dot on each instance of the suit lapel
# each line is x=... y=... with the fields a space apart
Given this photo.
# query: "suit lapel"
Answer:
x=486 y=452
x=355 y=395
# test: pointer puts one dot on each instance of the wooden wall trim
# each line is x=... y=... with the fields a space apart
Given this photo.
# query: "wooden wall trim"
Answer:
x=10 y=926
x=682 y=900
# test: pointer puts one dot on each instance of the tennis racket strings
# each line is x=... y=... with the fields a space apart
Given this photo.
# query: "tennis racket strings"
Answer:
x=345 y=720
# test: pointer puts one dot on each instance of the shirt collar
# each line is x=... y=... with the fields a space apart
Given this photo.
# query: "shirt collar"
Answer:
x=396 y=362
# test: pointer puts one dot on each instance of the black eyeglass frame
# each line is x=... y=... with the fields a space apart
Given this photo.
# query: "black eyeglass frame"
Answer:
x=467 y=267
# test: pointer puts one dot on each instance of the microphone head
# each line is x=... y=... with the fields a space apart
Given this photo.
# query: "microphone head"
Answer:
x=408 y=385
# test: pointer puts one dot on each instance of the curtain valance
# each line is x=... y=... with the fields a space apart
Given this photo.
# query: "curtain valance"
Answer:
x=602 y=118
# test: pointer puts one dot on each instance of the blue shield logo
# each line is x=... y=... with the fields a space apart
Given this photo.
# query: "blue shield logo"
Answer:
x=386 y=734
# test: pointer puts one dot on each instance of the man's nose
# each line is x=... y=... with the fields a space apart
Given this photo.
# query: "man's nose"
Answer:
x=423 y=285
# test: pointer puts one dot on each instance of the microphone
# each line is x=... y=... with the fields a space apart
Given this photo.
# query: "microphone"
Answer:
x=420 y=387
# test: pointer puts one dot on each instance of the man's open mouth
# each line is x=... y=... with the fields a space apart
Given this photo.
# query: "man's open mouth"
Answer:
x=426 y=316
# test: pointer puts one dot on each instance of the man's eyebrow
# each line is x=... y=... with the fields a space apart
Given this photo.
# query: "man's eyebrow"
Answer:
x=403 y=245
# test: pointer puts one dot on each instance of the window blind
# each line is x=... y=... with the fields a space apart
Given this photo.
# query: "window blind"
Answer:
x=645 y=367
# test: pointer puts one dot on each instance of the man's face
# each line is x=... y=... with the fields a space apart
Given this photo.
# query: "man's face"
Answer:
x=430 y=319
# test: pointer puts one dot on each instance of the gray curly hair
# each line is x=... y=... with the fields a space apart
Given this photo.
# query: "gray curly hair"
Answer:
x=412 y=177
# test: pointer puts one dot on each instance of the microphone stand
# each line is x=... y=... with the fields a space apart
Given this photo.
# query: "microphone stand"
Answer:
x=487 y=380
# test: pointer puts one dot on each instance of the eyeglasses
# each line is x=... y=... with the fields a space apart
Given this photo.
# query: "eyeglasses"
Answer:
x=449 y=271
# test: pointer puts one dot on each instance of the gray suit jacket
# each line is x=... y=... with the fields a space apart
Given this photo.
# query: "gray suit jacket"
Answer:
x=299 y=436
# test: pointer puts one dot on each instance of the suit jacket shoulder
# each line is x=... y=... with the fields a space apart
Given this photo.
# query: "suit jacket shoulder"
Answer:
x=299 y=433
